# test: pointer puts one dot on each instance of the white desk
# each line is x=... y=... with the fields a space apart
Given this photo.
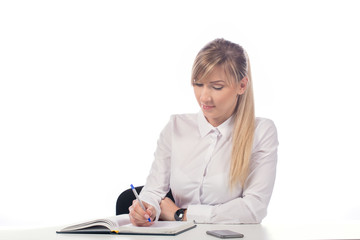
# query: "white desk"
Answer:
x=251 y=231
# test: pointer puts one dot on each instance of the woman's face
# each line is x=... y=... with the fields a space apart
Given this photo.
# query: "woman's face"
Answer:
x=216 y=97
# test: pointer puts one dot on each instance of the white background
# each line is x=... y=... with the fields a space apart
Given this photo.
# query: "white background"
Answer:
x=87 y=86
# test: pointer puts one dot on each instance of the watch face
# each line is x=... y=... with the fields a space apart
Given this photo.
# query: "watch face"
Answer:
x=179 y=215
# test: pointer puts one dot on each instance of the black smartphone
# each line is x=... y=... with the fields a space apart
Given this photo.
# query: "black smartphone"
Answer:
x=225 y=234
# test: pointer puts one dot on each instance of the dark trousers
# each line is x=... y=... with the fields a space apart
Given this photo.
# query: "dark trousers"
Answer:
x=126 y=198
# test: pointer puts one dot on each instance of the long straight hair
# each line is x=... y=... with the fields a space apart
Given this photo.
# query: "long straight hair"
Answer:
x=235 y=62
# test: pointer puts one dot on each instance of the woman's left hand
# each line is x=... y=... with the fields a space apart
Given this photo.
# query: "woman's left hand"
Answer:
x=168 y=209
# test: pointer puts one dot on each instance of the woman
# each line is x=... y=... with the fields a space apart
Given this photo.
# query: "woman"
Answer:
x=220 y=164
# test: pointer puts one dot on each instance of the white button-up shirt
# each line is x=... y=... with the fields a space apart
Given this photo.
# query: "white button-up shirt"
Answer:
x=193 y=160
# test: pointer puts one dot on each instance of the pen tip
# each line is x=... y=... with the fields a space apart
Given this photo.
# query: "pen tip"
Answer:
x=132 y=187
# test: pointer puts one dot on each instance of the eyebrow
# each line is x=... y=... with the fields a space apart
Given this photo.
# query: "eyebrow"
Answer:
x=217 y=81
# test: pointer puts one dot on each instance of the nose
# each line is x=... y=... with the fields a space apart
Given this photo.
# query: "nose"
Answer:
x=205 y=96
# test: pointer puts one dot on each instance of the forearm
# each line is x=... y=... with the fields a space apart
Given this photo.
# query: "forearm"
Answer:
x=240 y=210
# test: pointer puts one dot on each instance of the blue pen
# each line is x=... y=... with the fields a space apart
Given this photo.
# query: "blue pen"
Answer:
x=138 y=198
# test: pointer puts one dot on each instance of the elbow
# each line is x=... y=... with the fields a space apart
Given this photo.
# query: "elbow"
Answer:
x=259 y=217
x=256 y=217
x=256 y=208
x=257 y=214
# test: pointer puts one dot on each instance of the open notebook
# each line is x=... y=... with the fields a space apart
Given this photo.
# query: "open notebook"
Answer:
x=121 y=225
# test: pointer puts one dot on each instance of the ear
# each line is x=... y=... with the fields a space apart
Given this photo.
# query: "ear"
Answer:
x=242 y=86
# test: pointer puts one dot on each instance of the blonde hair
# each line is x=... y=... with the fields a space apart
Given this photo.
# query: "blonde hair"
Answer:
x=235 y=62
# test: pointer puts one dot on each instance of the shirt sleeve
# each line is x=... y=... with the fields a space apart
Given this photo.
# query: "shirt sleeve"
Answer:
x=157 y=183
x=251 y=207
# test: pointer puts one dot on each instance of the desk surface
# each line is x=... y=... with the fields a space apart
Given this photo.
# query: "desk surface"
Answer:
x=251 y=231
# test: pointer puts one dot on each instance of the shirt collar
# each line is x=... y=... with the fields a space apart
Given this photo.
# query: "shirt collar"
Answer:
x=225 y=129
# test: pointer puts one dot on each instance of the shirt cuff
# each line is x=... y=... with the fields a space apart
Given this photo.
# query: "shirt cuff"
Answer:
x=154 y=203
x=199 y=213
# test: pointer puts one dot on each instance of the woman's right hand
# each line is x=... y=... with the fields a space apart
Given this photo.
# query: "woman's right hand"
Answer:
x=139 y=217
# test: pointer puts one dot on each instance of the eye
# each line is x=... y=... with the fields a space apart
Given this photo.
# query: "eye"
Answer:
x=218 y=87
x=198 y=84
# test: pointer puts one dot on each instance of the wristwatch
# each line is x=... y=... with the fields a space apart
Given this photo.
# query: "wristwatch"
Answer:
x=179 y=214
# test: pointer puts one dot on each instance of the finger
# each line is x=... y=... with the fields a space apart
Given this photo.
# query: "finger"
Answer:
x=150 y=211
x=139 y=215
x=147 y=213
x=141 y=222
x=135 y=211
x=137 y=220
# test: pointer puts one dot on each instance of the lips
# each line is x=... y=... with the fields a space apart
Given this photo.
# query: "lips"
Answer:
x=207 y=107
